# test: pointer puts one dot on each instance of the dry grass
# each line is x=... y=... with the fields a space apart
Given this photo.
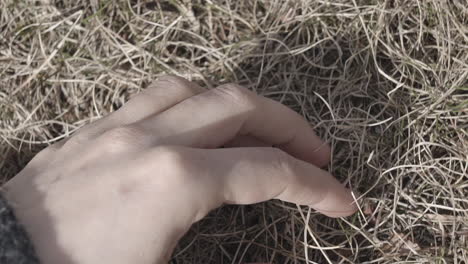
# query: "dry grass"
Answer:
x=385 y=82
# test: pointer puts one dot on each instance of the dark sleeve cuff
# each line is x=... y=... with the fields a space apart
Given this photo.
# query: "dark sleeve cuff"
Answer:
x=15 y=246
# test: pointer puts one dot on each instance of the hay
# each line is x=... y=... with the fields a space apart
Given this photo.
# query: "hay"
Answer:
x=385 y=82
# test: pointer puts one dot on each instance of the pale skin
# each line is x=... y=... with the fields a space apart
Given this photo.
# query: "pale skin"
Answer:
x=127 y=187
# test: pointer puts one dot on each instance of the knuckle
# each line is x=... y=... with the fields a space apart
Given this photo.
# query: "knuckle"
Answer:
x=176 y=162
x=173 y=79
x=121 y=138
x=176 y=82
x=283 y=162
x=165 y=168
x=169 y=155
x=236 y=94
x=75 y=141
x=44 y=155
x=47 y=152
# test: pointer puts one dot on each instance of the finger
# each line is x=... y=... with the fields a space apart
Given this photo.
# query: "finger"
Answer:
x=213 y=118
x=246 y=141
x=252 y=175
x=160 y=95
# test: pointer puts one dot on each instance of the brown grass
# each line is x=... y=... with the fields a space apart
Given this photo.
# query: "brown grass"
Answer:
x=385 y=82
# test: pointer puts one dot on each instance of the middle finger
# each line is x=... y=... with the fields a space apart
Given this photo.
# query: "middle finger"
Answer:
x=212 y=119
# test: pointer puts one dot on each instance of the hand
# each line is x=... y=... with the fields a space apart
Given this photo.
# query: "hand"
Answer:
x=126 y=188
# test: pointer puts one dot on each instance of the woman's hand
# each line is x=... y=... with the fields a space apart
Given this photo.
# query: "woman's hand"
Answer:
x=126 y=188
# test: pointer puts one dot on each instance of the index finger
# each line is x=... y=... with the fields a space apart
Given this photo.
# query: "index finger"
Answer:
x=253 y=175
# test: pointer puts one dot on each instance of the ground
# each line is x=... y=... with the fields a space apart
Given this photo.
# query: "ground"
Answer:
x=384 y=82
